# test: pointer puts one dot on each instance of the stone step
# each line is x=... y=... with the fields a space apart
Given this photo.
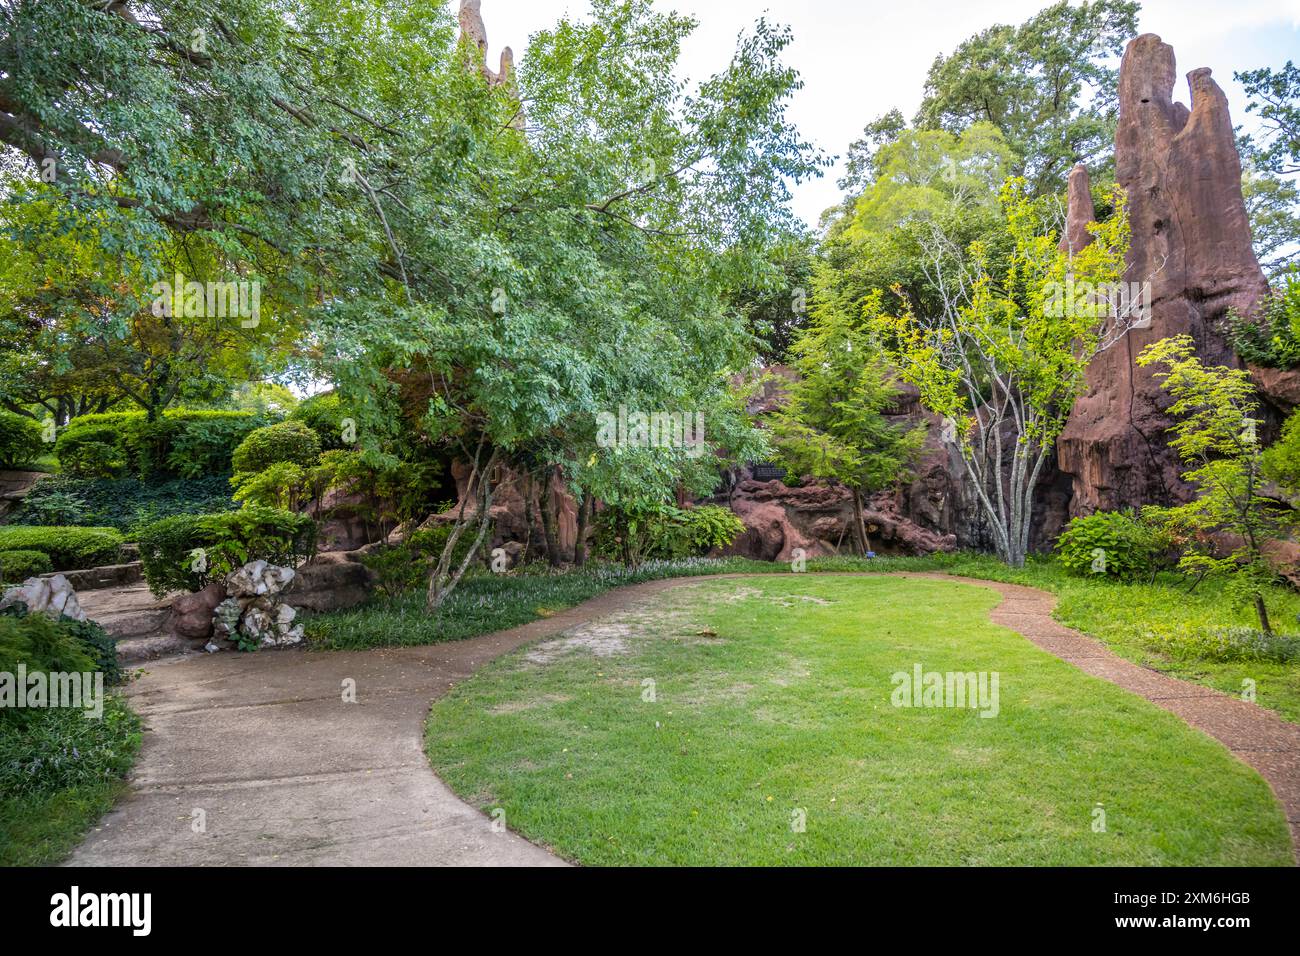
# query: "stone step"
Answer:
x=138 y=650
x=105 y=576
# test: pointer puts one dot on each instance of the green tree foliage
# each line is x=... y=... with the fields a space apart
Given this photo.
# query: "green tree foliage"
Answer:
x=932 y=194
x=1275 y=99
x=834 y=425
x=1215 y=435
x=1049 y=85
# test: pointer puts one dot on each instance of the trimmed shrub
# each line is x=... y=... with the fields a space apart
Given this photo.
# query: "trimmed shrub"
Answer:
x=185 y=552
x=16 y=566
x=20 y=440
x=69 y=549
x=324 y=415
x=1110 y=544
x=290 y=441
x=183 y=443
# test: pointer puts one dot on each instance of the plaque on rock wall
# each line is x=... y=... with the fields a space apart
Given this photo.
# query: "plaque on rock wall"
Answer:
x=762 y=471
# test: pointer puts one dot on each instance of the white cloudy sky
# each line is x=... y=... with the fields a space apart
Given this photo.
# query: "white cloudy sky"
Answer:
x=860 y=58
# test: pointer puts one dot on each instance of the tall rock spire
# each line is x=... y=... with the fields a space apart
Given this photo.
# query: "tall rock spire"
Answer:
x=1079 y=211
x=1191 y=243
x=472 y=28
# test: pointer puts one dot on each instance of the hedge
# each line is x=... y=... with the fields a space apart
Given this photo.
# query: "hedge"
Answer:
x=69 y=548
x=184 y=444
x=17 y=566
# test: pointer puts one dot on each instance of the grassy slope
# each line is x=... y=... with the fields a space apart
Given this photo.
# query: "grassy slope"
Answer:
x=788 y=708
x=1141 y=622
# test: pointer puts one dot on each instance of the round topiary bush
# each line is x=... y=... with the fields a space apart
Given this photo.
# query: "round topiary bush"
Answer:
x=21 y=441
x=290 y=441
x=326 y=415
x=18 y=566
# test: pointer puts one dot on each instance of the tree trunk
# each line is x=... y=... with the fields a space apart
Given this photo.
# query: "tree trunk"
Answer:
x=548 y=506
x=859 y=527
x=1262 y=611
x=584 y=517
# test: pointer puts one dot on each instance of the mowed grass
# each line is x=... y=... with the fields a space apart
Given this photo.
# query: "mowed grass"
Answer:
x=772 y=706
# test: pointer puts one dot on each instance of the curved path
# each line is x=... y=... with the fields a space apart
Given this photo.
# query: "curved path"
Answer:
x=257 y=759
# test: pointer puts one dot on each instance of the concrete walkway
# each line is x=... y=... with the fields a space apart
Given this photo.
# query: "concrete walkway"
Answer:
x=264 y=752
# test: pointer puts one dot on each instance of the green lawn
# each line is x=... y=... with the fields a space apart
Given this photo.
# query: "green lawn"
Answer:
x=1157 y=624
x=773 y=697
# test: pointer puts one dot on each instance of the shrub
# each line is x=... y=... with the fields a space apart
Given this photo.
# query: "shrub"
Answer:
x=20 y=440
x=282 y=485
x=40 y=643
x=1273 y=338
x=185 y=552
x=290 y=441
x=124 y=503
x=710 y=526
x=663 y=531
x=167 y=556
x=18 y=566
x=46 y=648
x=1111 y=543
x=69 y=548
x=182 y=443
x=1281 y=460
x=407 y=566
x=324 y=414
x=93 y=449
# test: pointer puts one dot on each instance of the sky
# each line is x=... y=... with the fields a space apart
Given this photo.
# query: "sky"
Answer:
x=861 y=58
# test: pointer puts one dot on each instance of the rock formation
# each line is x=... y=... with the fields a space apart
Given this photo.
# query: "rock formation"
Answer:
x=1191 y=242
x=472 y=29
x=51 y=595
x=1079 y=211
x=255 y=611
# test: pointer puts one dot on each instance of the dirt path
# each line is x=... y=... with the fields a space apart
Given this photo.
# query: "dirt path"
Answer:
x=263 y=750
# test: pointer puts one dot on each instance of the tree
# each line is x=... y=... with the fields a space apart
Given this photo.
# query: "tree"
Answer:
x=581 y=263
x=1048 y=85
x=1004 y=358
x=925 y=183
x=833 y=425
x=1275 y=99
x=83 y=327
x=1216 y=436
